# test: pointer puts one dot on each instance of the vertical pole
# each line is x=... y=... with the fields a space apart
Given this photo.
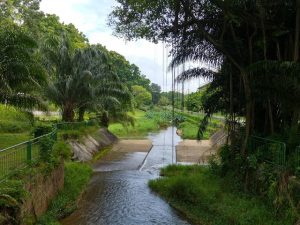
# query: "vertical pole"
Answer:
x=182 y=90
x=29 y=151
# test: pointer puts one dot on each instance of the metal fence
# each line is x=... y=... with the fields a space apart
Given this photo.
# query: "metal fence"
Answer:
x=75 y=125
x=21 y=155
x=269 y=151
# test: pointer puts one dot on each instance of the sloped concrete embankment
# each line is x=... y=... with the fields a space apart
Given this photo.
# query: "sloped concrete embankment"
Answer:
x=88 y=146
x=193 y=151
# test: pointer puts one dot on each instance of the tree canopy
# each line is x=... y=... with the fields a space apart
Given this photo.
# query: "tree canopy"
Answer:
x=44 y=60
x=253 y=44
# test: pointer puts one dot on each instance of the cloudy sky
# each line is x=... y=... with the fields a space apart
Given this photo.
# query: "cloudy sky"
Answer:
x=90 y=17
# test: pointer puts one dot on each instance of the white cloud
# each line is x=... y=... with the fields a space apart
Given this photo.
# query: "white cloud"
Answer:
x=90 y=17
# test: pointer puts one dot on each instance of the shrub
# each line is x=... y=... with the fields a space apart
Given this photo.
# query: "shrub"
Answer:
x=71 y=134
x=46 y=146
x=41 y=130
x=62 y=150
x=12 y=193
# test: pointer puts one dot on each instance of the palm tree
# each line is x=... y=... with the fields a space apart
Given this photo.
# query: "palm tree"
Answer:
x=21 y=74
x=83 y=79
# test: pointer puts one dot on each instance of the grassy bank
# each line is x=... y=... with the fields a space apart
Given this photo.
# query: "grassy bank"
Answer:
x=190 y=126
x=143 y=125
x=205 y=198
x=153 y=120
x=15 y=126
x=77 y=175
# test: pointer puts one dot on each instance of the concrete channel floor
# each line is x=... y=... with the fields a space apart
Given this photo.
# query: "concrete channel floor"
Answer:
x=125 y=155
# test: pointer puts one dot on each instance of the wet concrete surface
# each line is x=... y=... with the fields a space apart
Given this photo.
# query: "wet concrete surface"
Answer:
x=118 y=193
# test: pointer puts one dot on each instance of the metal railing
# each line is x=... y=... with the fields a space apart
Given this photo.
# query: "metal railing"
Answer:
x=269 y=151
x=21 y=155
x=75 y=125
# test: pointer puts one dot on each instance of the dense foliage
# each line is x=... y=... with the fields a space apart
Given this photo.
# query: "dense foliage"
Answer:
x=46 y=61
x=253 y=48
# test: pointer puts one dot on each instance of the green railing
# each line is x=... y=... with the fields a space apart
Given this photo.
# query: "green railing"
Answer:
x=21 y=155
x=269 y=151
x=75 y=125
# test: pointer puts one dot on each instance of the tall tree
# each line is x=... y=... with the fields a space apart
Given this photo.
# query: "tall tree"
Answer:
x=247 y=38
x=155 y=91
x=21 y=74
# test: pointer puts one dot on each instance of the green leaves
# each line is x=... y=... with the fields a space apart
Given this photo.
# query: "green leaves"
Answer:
x=21 y=74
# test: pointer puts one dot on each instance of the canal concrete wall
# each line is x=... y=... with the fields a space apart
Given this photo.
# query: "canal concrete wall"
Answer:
x=85 y=148
x=42 y=188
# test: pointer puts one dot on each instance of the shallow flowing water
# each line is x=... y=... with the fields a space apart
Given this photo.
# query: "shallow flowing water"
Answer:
x=118 y=193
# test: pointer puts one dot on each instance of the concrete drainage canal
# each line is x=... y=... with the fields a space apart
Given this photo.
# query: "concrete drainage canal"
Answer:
x=118 y=193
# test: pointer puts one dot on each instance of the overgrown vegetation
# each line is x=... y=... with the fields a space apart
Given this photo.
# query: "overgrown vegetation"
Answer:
x=206 y=198
x=158 y=118
x=77 y=175
x=12 y=193
x=250 y=52
x=142 y=126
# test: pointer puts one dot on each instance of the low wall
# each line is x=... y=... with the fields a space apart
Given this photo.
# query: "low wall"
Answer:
x=42 y=189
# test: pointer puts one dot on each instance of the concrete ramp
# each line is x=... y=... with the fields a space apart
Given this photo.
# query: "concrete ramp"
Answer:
x=132 y=146
x=193 y=151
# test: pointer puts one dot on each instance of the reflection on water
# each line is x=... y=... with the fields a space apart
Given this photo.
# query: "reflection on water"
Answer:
x=119 y=195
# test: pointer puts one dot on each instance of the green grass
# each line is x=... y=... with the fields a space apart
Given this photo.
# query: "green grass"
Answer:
x=190 y=129
x=101 y=153
x=142 y=127
x=10 y=139
x=15 y=126
x=13 y=120
x=205 y=199
x=190 y=126
x=77 y=175
x=153 y=120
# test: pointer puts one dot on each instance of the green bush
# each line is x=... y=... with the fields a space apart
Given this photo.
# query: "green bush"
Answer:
x=12 y=194
x=71 y=134
x=42 y=129
x=62 y=150
x=45 y=149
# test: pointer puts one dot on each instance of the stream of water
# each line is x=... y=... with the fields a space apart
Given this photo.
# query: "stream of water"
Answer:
x=118 y=193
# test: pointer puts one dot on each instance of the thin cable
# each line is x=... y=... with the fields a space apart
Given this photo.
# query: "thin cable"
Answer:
x=164 y=88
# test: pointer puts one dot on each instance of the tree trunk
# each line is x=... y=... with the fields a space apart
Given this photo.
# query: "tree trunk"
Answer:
x=295 y=119
x=68 y=113
x=270 y=116
x=297 y=32
x=105 y=119
x=81 y=113
x=248 y=129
